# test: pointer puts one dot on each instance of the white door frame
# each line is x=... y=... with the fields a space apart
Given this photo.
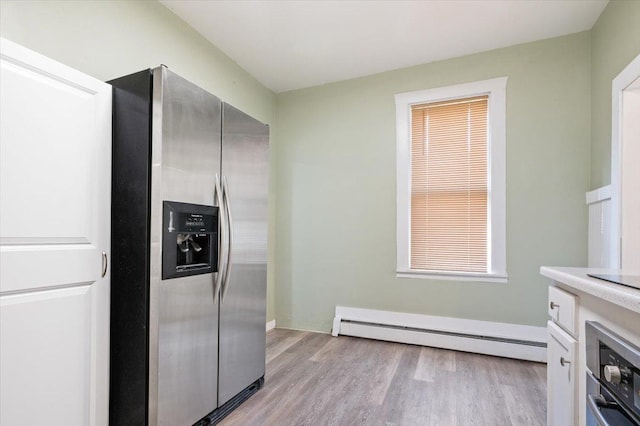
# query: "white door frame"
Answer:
x=628 y=75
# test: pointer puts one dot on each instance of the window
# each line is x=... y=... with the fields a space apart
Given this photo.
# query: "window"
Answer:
x=451 y=182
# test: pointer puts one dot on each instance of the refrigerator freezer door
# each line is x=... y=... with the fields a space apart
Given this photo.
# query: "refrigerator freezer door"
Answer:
x=245 y=165
x=183 y=317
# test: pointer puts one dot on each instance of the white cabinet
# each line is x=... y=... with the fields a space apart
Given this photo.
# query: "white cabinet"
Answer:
x=578 y=298
x=562 y=309
x=55 y=184
x=561 y=376
x=561 y=357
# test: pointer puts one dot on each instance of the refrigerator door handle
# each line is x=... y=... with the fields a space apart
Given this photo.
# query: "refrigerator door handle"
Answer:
x=222 y=228
x=227 y=272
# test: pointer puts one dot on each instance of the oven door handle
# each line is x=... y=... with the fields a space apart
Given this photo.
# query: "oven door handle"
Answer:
x=595 y=402
x=595 y=410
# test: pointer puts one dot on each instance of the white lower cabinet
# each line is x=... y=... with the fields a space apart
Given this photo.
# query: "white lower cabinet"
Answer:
x=563 y=310
x=575 y=298
x=561 y=377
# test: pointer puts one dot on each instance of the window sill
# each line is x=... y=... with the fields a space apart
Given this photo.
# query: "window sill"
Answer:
x=452 y=276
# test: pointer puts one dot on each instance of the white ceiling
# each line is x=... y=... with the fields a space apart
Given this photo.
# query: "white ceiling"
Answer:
x=289 y=45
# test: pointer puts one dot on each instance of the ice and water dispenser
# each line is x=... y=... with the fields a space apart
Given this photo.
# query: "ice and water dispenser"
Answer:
x=189 y=239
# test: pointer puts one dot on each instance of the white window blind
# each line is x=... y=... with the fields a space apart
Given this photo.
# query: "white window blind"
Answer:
x=449 y=185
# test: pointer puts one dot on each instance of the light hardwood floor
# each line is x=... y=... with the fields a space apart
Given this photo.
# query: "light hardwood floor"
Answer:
x=316 y=379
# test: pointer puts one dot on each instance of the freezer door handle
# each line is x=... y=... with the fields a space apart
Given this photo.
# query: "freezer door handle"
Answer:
x=222 y=241
x=227 y=272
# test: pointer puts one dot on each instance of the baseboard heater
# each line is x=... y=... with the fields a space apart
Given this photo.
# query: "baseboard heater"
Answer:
x=484 y=337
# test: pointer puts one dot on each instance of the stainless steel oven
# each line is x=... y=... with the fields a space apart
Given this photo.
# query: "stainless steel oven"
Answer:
x=613 y=378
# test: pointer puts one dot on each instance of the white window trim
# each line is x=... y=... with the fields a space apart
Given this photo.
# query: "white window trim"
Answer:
x=496 y=89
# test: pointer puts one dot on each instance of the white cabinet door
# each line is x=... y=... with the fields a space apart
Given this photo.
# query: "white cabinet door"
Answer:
x=55 y=183
x=561 y=380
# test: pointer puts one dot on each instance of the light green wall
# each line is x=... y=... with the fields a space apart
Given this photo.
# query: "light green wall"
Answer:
x=108 y=39
x=336 y=188
x=335 y=176
x=615 y=42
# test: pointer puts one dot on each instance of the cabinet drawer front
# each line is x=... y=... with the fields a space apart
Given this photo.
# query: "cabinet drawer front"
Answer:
x=562 y=309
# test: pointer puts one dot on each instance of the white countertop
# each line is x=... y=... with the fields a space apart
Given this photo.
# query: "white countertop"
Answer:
x=576 y=278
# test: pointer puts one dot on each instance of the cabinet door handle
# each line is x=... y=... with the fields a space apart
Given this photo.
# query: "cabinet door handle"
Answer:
x=553 y=305
x=105 y=264
x=564 y=362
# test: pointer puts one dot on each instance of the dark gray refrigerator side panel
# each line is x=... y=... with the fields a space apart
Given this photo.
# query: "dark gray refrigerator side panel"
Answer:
x=183 y=315
x=131 y=174
x=245 y=170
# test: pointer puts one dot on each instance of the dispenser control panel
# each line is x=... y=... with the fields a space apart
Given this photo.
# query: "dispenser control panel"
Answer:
x=189 y=239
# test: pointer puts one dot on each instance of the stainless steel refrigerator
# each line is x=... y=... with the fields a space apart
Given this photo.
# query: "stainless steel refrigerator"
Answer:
x=189 y=251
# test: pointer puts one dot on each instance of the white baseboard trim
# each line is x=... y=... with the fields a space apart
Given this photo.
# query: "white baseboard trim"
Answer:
x=271 y=325
x=484 y=337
